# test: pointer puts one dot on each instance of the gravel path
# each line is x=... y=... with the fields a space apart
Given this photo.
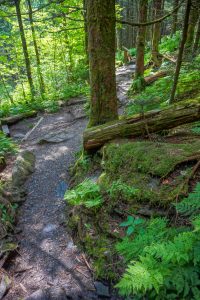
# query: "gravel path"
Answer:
x=48 y=263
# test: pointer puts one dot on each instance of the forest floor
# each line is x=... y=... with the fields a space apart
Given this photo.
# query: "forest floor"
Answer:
x=48 y=265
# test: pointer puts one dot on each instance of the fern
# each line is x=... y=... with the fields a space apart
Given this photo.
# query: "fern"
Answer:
x=132 y=248
x=87 y=193
x=167 y=268
x=190 y=206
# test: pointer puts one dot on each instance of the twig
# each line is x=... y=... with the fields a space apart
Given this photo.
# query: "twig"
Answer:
x=29 y=133
x=86 y=262
x=78 y=270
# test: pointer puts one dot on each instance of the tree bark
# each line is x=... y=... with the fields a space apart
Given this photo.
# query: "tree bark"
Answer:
x=193 y=19
x=25 y=49
x=175 y=18
x=142 y=125
x=197 y=39
x=37 y=54
x=155 y=56
x=139 y=71
x=101 y=48
x=181 y=51
x=86 y=30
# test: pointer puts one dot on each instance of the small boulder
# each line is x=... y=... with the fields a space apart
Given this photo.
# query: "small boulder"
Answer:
x=23 y=167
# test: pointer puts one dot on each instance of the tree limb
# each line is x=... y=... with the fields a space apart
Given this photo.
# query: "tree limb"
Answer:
x=153 y=21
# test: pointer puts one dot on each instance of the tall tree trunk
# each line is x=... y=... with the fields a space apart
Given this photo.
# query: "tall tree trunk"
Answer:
x=37 y=54
x=181 y=51
x=155 y=56
x=175 y=17
x=6 y=89
x=139 y=81
x=193 y=19
x=101 y=48
x=25 y=49
x=86 y=31
x=197 y=39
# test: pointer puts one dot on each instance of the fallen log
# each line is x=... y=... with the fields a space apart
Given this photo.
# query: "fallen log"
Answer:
x=142 y=125
x=14 y=119
x=169 y=58
x=151 y=78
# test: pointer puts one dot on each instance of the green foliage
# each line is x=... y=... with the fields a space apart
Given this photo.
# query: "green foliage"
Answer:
x=86 y=193
x=62 y=58
x=196 y=128
x=132 y=224
x=170 y=43
x=121 y=190
x=6 y=146
x=7 y=213
x=153 y=97
x=165 y=265
x=146 y=235
x=190 y=206
x=133 y=51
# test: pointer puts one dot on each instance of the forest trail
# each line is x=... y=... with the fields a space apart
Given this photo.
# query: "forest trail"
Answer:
x=49 y=265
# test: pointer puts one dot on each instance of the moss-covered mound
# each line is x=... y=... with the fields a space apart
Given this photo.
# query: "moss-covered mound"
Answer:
x=137 y=178
x=158 y=170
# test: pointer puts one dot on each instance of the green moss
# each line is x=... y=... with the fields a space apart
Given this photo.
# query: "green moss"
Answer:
x=142 y=165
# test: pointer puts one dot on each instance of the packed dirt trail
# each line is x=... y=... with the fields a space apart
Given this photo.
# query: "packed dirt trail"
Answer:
x=48 y=265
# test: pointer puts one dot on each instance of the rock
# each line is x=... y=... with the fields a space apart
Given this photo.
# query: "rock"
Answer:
x=102 y=290
x=23 y=167
x=54 y=293
x=4 y=285
x=78 y=112
x=18 y=135
x=38 y=295
x=56 y=137
x=49 y=228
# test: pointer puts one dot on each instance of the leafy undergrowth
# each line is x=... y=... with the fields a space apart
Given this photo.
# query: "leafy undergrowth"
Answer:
x=49 y=102
x=135 y=222
x=7 y=147
x=157 y=95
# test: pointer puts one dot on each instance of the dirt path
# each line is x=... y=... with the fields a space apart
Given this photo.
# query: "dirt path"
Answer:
x=49 y=265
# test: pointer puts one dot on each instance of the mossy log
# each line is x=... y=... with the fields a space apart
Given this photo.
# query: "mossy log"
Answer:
x=142 y=125
x=152 y=78
x=14 y=119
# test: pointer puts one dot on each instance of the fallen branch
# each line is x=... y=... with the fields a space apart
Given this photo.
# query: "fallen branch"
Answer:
x=31 y=131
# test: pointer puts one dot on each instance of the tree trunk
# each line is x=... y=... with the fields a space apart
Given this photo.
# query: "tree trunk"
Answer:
x=193 y=19
x=197 y=39
x=37 y=54
x=155 y=56
x=181 y=51
x=142 y=125
x=175 y=17
x=25 y=49
x=101 y=48
x=139 y=71
x=86 y=30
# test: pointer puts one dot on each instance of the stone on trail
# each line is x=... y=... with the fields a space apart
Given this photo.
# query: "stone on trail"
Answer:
x=4 y=285
x=54 y=293
x=56 y=137
x=102 y=290
x=23 y=167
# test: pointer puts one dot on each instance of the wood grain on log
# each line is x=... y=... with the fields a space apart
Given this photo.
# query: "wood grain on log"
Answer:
x=142 y=125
